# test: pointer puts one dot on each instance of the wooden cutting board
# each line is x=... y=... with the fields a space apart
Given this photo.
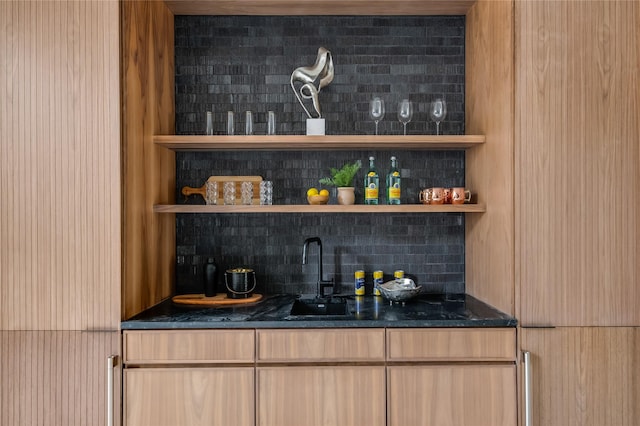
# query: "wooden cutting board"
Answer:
x=217 y=300
x=187 y=190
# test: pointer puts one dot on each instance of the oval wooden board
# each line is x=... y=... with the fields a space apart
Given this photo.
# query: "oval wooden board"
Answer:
x=217 y=300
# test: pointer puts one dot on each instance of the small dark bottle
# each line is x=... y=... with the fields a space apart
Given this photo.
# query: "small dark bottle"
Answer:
x=210 y=278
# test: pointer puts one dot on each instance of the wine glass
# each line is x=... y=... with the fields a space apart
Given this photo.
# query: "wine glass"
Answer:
x=376 y=110
x=437 y=112
x=405 y=113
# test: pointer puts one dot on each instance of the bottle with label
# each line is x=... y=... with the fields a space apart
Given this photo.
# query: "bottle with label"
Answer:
x=371 y=183
x=393 y=183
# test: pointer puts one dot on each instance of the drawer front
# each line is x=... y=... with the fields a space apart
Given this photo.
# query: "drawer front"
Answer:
x=321 y=345
x=451 y=344
x=189 y=346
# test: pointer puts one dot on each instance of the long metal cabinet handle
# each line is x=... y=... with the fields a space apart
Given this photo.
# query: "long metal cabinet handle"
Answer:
x=526 y=356
x=111 y=362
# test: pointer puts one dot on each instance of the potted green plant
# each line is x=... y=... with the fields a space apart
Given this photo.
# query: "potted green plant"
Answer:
x=343 y=180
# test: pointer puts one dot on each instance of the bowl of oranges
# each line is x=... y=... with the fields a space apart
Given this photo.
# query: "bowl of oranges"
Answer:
x=316 y=197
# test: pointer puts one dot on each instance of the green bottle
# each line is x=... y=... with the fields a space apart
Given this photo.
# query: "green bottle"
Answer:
x=371 y=183
x=393 y=183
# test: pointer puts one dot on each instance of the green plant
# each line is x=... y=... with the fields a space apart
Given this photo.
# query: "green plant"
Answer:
x=342 y=177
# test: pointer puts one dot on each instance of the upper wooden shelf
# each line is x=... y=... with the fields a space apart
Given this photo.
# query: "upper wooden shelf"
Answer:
x=303 y=142
x=319 y=7
x=327 y=208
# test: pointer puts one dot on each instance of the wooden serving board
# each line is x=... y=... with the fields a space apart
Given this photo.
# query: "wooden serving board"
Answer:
x=187 y=190
x=217 y=300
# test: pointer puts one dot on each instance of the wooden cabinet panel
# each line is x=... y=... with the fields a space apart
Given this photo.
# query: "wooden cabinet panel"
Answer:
x=451 y=344
x=452 y=395
x=321 y=396
x=585 y=376
x=578 y=162
x=60 y=165
x=57 y=377
x=189 y=396
x=320 y=345
x=189 y=346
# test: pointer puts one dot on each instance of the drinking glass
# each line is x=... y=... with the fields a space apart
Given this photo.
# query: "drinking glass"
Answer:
x=266 y=193
x=246 y=195
x=405 y=113
x=212 y=192
x=271 y=123
x=376 y=110
x=229 y=193
x=248 y=123
x=230 y=123
x=437 y=112
x=209 y=130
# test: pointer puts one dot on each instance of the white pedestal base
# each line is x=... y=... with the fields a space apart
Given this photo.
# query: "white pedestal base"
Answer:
x=315 y=126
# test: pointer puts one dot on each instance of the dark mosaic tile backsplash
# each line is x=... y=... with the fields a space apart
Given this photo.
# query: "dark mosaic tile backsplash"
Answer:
x=244 y=63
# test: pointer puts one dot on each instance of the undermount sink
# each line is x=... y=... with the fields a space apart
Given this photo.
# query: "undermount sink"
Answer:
x=331 y=306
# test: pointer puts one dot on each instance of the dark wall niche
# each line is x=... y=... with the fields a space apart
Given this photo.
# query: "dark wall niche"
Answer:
x=244 y=63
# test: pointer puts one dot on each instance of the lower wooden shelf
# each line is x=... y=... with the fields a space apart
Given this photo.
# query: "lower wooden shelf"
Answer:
x=327 y=208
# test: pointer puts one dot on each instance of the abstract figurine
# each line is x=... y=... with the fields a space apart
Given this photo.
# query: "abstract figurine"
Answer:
x=322 y=69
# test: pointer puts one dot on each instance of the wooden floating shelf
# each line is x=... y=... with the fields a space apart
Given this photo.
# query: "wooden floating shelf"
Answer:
x=327 y=208
x=320 y=143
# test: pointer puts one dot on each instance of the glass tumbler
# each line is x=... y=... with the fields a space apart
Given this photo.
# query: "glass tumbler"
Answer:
x=209 y=130
x=212 y=193
x=230 y=123
x=248 y=123
x=229 y=193
x=266 y=193
x=246 y=190
x=271 y=123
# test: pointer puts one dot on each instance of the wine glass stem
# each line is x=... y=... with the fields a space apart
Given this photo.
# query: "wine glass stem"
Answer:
x=437 y=127
x=376 y=127
x=405 y=128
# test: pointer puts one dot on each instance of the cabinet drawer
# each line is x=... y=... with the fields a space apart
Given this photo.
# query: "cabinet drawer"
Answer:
x=451 y=344
x=321 y=345
x=189 y=346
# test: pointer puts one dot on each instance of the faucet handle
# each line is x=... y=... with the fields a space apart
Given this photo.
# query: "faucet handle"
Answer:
x=326 y=284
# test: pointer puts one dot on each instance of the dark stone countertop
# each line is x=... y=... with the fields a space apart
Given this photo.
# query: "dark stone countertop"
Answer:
x=446 y=310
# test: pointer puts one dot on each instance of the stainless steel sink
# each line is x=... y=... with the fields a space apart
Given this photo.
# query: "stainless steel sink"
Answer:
x=320 y=306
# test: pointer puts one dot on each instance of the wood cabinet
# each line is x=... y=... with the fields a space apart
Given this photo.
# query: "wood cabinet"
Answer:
x=451 y=377
x=60 y=214
x=209 y=381
x=577 y=132
x=585 y=376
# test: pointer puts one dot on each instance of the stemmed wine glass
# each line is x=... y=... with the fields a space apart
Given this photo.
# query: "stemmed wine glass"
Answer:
x=405 y=113
x=376 y=110
x=437 y=112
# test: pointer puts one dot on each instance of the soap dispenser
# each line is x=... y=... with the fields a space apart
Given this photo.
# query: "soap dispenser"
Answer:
x=210 y=278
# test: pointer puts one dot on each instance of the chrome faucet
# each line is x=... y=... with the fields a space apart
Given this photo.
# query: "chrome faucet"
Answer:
x=322 y=284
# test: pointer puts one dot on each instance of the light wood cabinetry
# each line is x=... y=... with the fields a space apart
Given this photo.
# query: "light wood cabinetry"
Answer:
x=189 y=396
x=321 y=395
x=444 y=377
x=577 y=131
x=60 y=211
x=452 y=395
x=584 y=376
x=210 y=381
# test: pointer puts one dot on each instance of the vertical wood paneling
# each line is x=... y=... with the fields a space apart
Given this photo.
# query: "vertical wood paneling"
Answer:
x=585 y=376
x=578 y=162
x=148 y=171
x=56 y=378
x=59 y=165
x=489 y=111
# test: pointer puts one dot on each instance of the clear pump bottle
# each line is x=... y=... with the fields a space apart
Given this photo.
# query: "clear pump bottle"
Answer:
x=371 y=183
x=393 y=183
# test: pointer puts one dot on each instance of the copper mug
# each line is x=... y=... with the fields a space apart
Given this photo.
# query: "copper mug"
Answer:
x=432 y=196
x=460 y=195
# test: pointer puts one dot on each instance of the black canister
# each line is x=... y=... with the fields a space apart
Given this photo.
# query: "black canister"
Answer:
x=210 y=278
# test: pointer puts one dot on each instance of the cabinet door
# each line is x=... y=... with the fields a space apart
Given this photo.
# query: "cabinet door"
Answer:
x=452 y=395
x=189 y=396
x=57 y=378
x=321 y=396
x=586 y=376
x=578 y=166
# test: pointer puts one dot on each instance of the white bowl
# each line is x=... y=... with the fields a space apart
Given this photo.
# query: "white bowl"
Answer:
x=399 y=290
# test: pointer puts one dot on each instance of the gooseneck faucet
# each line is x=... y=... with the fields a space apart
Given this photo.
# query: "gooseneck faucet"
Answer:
x=321 y=285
